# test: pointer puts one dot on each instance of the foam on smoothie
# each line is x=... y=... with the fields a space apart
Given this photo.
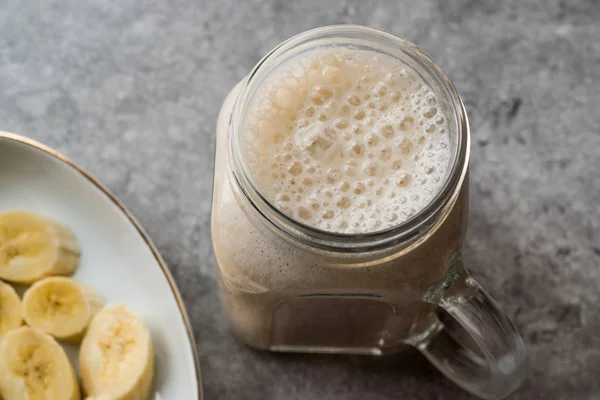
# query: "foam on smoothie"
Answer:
x=347 y=141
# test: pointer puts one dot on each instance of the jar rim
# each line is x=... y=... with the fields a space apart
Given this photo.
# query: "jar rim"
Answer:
x=344 y=242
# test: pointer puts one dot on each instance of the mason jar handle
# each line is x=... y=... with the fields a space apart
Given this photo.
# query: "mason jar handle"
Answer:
x=474 y=344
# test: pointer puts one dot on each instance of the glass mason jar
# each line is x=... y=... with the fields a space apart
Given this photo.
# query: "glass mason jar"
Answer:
x=288 y=287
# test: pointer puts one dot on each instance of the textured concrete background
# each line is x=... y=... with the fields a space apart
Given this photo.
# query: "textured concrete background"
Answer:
x=130 y=89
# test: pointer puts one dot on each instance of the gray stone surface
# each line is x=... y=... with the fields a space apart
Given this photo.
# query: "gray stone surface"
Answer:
x=130 y=89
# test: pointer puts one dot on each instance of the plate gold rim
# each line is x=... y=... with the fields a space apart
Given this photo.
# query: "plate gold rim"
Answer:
x=140 y=230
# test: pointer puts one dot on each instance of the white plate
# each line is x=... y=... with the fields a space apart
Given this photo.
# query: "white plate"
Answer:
x=118 y=258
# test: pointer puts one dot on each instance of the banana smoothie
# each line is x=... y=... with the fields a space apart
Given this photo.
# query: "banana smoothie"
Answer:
x=343 y=142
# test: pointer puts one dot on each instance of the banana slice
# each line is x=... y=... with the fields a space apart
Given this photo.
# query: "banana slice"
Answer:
x=33 y=247
x=116 y=358
x=33 y=366
x=61 y=307
x=10 y=309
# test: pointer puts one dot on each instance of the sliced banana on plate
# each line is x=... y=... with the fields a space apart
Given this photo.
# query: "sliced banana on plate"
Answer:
x=61 y=307
x=116 y=358
x=33 y=366
x=33 y=247
x=11 y=316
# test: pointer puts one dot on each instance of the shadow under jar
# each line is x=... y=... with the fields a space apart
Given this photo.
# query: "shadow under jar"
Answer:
x=287 y=285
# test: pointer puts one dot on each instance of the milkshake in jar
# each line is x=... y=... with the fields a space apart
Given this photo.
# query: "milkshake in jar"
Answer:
x=340 y=206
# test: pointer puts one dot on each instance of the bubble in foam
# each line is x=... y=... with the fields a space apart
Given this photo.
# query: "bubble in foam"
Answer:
x=340 y=123
x=404 y=146
x=402 y=179
x=282 y=197
x=430 y=113
x=344 y=132
x=343 y=202
x=328 y=214
x=406 y=123
x=387 y=131
x=354 y=99
x=333 y=175
x=430 y=128
x=342 y=225
x=371 y=168
x=295 y=169
x=356 y=149
x=372 y=139
x=359 y=114
x=304 y=213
